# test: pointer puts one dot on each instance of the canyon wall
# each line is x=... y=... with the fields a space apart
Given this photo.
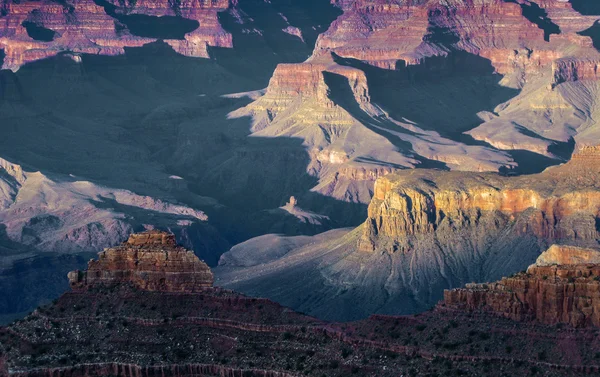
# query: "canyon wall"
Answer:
x=563 y=286
x=428 y=231
x=422 y=203
x=83 y=27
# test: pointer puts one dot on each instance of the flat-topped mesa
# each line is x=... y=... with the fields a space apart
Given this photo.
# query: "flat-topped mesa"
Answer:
x=563 y=286
x=558 y=205
x=149 y=261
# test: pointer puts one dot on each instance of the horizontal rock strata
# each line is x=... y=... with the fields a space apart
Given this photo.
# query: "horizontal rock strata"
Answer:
x=563 y=286
x=150 y=261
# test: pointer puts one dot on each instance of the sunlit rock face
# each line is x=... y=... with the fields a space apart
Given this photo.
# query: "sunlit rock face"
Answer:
x=561 y=203
x=563 y=286
x=150 y=261
x=34 y=30
x=426 y=231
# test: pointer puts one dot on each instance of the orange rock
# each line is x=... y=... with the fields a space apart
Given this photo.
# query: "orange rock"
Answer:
x=562 y=203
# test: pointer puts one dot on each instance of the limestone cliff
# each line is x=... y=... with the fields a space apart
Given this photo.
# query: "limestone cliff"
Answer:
x=150 y=261
x=562 y=203
x=563 y=286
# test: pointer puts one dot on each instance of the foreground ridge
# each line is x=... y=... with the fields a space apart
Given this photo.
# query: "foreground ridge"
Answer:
x=125 y=325
x=563 y=286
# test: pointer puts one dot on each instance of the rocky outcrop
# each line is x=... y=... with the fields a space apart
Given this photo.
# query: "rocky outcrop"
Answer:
x=571 y=69
x=562 y=203
x=118 y=331
x=149 y=261
x=83 y=27
x=563 y=286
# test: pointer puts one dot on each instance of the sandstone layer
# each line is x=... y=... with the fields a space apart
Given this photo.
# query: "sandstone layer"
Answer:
x=563 y=286
x=150 y=261
x=562 y=203
x=365 y=106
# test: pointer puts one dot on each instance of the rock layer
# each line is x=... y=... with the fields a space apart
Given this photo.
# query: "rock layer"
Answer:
x=563 y=286
x=562 y=203
x=149 y=261
x=427 y=231
x=82 y=26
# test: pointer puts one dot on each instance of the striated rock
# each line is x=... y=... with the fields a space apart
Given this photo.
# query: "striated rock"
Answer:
x=150 y=261
x=82 y=26
x=427 y=231
x=563 y=286
x=117 y=331
x=567 y=255
x=552 y=205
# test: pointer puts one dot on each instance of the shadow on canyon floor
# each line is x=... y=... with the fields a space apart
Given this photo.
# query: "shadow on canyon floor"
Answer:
x=443 y=94
x=538 y=16
x=259 y=34
x=594 y=33
x=33 y=279
x=134 y=121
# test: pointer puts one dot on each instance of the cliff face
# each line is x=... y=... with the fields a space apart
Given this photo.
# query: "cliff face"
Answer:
x=34 y=30
x=364 y=104
x=428 y=231
x=561 y=287
x=543 y=206
x=150 y=261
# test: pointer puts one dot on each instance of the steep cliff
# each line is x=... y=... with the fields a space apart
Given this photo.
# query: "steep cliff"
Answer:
x=561 y=203
x=428 y=231
x=365 y=106
x=561 y=287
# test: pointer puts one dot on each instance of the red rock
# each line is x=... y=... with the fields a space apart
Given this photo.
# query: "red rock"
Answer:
x=81 y=26
x=150 y=261
x=567 y=291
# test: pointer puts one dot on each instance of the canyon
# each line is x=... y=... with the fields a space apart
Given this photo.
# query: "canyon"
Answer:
x=201 y=330
x=429 y=122
x=426 y=231
x=561 y=287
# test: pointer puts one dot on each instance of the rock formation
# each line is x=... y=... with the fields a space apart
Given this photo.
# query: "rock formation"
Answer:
x=348 y=101
x=82 y=26
x=563 y=286
x=211 y=331
x=428 y=231
x=561 y=203
x=120 y=329
x=150 y=261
